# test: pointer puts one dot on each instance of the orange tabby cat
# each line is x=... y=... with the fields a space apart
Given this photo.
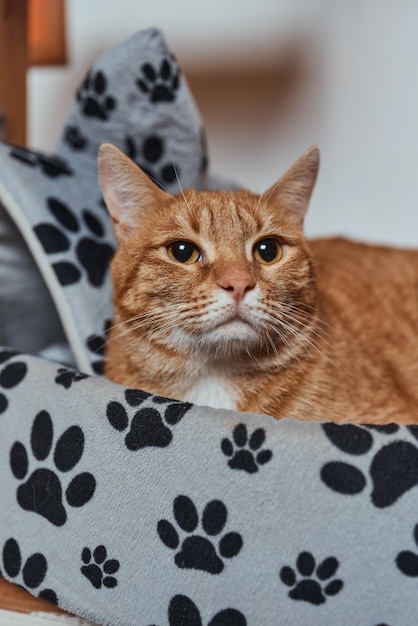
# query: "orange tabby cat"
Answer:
x=220 y=300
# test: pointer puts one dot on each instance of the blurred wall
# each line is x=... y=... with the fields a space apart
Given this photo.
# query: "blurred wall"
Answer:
x=272 y=77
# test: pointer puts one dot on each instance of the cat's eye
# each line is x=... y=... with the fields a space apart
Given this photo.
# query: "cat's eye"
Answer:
x=184 y=252
x=268 y=251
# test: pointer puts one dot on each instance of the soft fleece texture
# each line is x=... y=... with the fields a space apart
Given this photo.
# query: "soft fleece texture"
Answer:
x=131 y=509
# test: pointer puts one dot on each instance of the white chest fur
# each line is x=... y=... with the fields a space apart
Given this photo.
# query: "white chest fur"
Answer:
x=214 y=392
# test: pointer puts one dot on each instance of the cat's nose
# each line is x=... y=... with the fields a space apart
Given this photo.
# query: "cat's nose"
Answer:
x=237 y=283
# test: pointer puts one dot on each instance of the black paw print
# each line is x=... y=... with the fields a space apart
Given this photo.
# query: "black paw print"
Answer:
x=50 y=165
x=149 y=159
x=11 y=375
x=393 y=469
x=407 y=561
x=150 y=426
x=66 y=377
x=100 y=572
x=32 y=573
x=183 y=612
x=197 y=551
x=246 y=454
x=42 y=492
x=92 y=96
x=314 y=584
x=92 y=254
x=96 y=344
x=160 y=84
x=75 y=138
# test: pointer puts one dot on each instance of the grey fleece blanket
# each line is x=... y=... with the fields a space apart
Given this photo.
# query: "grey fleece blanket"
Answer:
x=133 y=509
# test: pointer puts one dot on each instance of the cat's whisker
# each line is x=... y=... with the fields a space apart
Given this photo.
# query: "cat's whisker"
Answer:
x=305 y=339
x=308 y=312
x=309 y=327
x=178 y=180
x=154 y=316
x=157 y=182
x=301 y=323
x=142 y=320
x=273 y=345
x=132 y=319
x=298 y=315
x=292 y=323
x=257 y=206
x=280 y=334
x=250 y=354
x=297 y=307
x=267 y=197
x=163 y=324
x=149 y=314
x=289 y=323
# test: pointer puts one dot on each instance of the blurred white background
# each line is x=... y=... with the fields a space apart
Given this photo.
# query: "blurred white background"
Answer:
x=272 y=77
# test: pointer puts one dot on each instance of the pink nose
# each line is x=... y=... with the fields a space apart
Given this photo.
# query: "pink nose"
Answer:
x=237 y=283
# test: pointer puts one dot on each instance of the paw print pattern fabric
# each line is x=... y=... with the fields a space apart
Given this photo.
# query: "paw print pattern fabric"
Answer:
x=128 y=508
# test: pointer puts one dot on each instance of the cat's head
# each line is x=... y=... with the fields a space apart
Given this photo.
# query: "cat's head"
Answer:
x=220 y=274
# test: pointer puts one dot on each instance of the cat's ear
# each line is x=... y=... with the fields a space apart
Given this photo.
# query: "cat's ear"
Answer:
x=294 y=189
x=127 y=190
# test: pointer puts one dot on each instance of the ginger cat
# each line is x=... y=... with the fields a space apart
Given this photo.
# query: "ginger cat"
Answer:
x=220 y=300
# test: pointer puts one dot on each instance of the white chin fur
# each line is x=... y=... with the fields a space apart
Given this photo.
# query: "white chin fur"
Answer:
x=234 y=332
x=224 y=341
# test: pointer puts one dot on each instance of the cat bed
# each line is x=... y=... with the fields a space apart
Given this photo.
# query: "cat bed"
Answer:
x=128 y=508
